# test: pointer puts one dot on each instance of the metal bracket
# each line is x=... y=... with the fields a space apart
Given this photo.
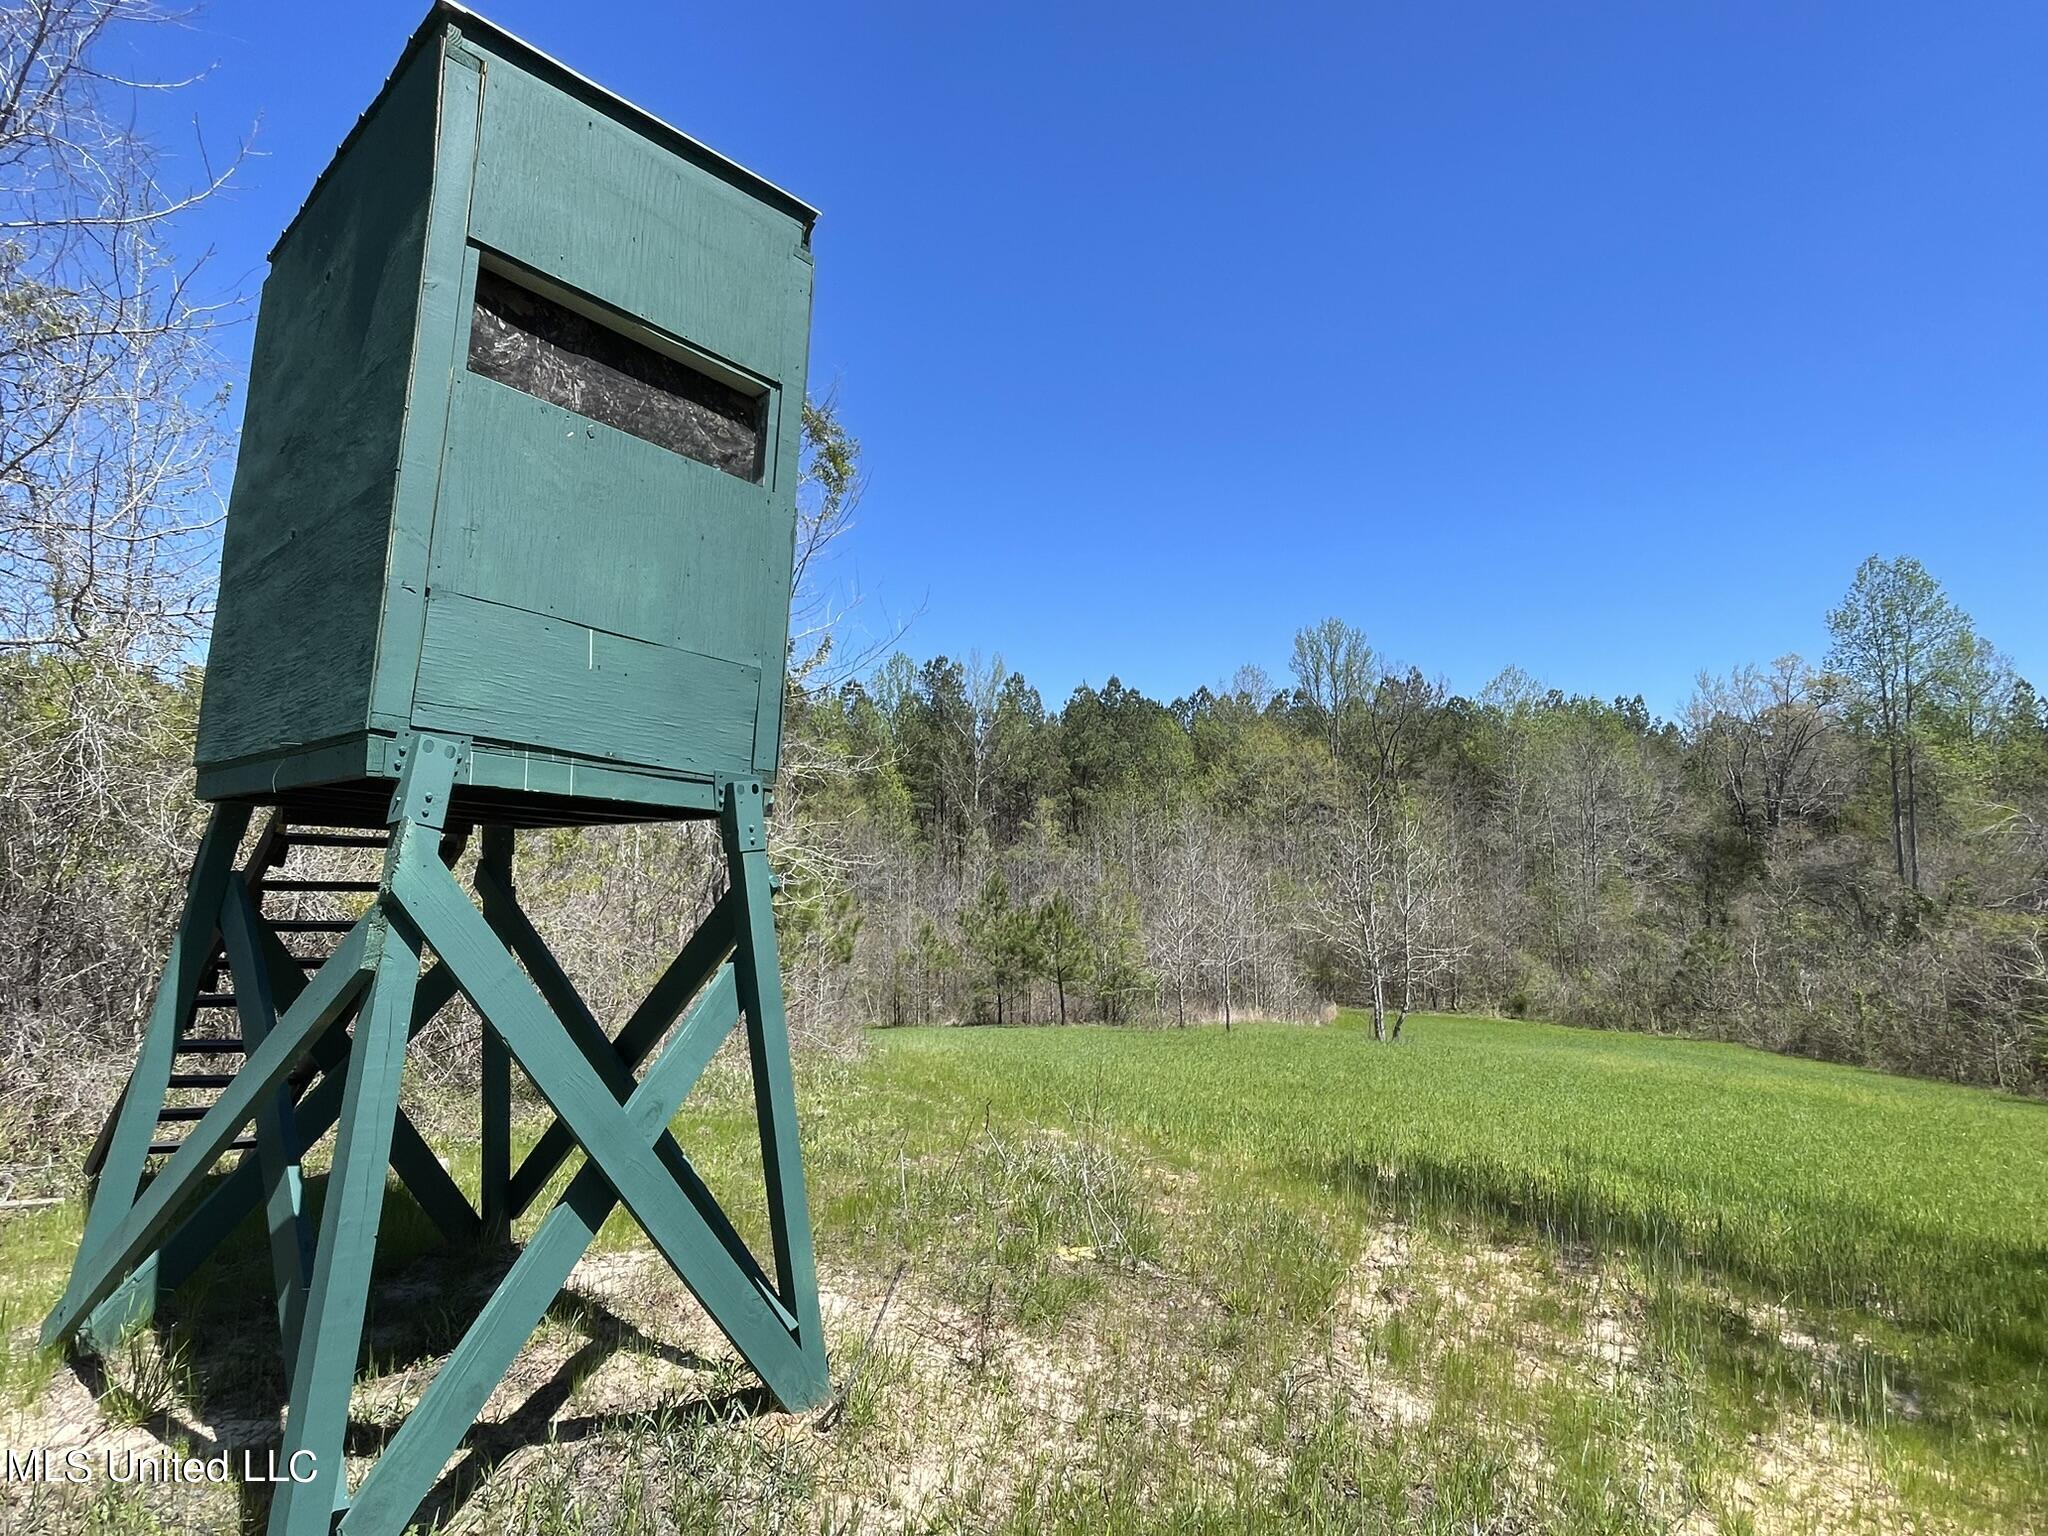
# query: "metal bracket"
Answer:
x=428 y=767
x=746 y=814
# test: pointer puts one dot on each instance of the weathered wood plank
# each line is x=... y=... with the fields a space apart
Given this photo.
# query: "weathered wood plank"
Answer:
x=523 y=678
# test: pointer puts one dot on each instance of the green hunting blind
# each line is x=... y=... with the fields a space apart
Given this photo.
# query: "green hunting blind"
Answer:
x=520 y=455
x=509 y=545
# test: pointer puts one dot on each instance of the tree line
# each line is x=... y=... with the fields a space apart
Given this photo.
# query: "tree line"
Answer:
x=1846 y=859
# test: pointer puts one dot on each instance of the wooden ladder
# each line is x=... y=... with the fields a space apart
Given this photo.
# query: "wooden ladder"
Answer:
x=210 y=1045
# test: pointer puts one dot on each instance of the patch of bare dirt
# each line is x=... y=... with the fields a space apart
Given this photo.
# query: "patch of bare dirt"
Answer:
x=1809 y=1477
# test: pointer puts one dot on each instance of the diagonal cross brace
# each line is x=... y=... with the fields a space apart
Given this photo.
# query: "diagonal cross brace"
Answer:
x=403 y=1475
x=518 y=934
x=328 y=995
x=684 y=978
x=594 y=1111
x=278 y=1149
x=224 y=1207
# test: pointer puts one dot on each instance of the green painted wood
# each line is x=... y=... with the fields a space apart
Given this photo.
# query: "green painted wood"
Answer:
x=517 y=932
x=595 y=203
x=191 y=948
x=221 y=1209
x=419 y=1169
x=133 y=1126
x=405 y=1472
x=686 y=975
x=509 y=675
x=381 y=480
x=440 y=338
x=305 y=548
x=228 y=1204
x=595 y=1115
x=331 y=1335
x=495 y=1074
x=332 y=989
x=604 y=788
x=546 y=511
x=760 y=990
x=277 y=1146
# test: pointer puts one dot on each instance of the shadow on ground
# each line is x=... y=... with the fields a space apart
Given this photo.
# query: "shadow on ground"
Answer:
x=215 y=1380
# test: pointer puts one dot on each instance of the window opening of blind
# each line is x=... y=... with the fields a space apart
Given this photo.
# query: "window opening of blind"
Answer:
x=546 y=349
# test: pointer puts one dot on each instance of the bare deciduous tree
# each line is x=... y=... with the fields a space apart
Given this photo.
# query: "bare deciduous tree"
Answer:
x=111 y=391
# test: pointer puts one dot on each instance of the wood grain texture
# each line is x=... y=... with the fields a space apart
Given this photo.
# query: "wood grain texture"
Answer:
x=303 y=556
x=578 y=195
x=546 y=510
x=508 y=675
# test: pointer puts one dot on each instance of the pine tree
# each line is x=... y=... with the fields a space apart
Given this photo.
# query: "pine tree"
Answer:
x=1063 y=946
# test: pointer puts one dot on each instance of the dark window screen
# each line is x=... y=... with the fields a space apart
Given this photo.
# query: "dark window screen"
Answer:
x=520 y=338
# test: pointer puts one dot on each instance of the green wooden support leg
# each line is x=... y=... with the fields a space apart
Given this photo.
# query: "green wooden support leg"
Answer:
x=134 y=1129
x=331 y=1333
x=329 y=994
x=758 y=968
x=277 y=1145
x=331 y=1336
x=495 y=1109
x=405 y=1472
x=229 y=1203
x=592 y=1103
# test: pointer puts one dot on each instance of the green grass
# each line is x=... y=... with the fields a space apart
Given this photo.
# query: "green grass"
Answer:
x=1795 y=1237
x=1499 y=1276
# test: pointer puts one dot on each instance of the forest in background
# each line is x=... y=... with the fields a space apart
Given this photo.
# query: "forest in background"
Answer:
x=1846 y=858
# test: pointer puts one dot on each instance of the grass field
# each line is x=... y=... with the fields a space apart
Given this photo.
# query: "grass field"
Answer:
x=1498 y=1277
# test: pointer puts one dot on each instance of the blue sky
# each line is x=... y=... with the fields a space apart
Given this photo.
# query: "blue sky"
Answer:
x=1601 y=339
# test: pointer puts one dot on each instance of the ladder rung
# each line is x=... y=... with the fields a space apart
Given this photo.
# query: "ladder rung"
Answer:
x=311 y=924
x=339 y=839
x=166 y=1148
x=364 y=886
x=312 y=962
x=210 y=1045
x=214 y=1000
x=174 y=1112
x=201 y=1079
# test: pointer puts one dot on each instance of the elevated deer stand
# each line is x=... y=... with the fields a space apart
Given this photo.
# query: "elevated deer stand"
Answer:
x=351 y=1020
x=510 y=545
